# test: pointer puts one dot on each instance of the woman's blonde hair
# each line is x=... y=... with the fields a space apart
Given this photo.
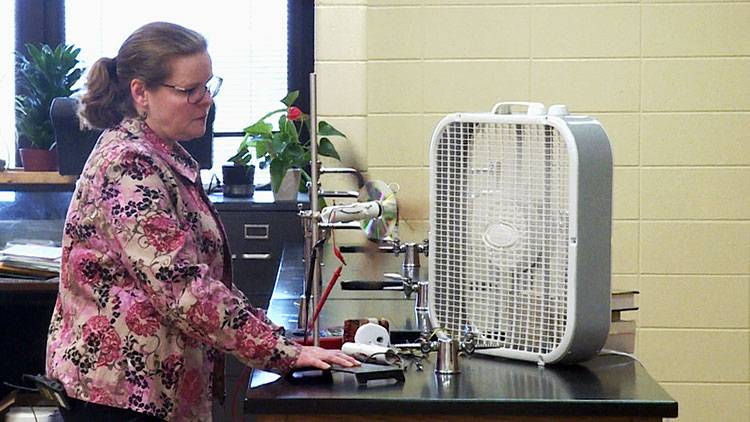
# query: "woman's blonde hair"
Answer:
x=145 y=55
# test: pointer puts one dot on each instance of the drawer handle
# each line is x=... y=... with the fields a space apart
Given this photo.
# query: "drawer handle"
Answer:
x=257 y=231
x=254 y=256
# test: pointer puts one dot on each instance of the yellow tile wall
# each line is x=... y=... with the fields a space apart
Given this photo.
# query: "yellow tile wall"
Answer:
x=670 y=82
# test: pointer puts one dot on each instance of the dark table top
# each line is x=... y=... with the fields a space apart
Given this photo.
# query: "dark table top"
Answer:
x=605 y=385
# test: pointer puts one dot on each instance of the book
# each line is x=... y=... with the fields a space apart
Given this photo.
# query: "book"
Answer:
x=621 y=336
x=29 y=256
x=33 y=252
x=623 y=300
x=24 y=271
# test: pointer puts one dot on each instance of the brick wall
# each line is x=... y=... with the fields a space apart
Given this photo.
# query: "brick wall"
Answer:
x=670 y=82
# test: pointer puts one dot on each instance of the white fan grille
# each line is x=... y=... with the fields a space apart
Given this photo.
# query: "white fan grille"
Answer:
x=501 y=234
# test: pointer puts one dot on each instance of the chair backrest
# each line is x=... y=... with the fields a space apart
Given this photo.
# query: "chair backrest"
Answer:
x=75 y=144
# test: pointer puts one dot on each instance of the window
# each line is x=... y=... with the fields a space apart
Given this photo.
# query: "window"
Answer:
x=7 y=85
x=247 y=41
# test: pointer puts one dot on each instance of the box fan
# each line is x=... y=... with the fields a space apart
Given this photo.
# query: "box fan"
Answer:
x=520 y=214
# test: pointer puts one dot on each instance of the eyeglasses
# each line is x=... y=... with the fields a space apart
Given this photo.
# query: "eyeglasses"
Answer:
x=195 y=95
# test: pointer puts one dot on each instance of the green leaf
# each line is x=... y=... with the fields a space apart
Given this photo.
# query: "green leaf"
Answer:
x=262 y=147
x=326 y=149
x=290 y=98
x=278 y=170
x=43 y=73
x=295 y=154
x=259 y=128
x=325 y=129
x=278 y=144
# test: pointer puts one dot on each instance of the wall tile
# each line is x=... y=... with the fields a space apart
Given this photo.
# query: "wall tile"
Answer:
x=473 y=2
x=413 y=197
x=340 y=88
x=696 y=84
x=695 y=248
x=623 y=133
x=339 y=2
x=596 y=85
x=394 y=140
x=711 y=402
x=394 y=87
x=625 y=282
x=395 y=33
x=696 y=29
x=695 y=193
x=695 y=139
x=473 y=85
x=393 y=2
x=585 y=31
x=353 y=148
x=624 y=247
x=476 y=32
x=695 y=301
x=414 y=231
x=625 y=193
x=565 y=2
x=344 y=37
x=695 y=355
x=688 y=1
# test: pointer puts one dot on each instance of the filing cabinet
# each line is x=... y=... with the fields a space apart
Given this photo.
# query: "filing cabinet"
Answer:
x=257 y=229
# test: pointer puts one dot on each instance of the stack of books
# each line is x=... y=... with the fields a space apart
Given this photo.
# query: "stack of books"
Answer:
x=29 y=260
x=622 y=331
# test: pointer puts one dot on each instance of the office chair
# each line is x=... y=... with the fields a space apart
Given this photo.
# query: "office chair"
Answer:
x=74 y=144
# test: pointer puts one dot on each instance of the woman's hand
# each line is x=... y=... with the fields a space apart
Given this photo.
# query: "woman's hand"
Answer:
x=317 y=357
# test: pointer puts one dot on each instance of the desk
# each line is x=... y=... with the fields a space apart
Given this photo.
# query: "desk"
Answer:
x=607 y=388
x=21 y=285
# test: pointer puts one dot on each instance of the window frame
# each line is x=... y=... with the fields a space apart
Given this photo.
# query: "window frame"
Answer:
x=300 y=44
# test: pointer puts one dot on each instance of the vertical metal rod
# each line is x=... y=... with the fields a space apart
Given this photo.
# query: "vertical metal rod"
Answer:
x=314 y=186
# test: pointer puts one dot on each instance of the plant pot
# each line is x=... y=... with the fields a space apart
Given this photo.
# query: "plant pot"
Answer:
x=38 y=159
x=289 y=186
x=238 y=180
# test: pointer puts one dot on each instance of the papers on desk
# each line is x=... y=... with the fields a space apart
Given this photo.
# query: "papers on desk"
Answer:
x=31 y=260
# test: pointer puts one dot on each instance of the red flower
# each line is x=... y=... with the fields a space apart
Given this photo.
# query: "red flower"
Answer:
x=142 y=319
x=98 y=328
x=204 y=317
x=254 y=342
x=191 y=387
x=100 y=396
x=293 y=113
x=163 y=233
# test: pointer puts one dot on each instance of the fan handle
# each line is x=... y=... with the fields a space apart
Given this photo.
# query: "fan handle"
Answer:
x=532 y=109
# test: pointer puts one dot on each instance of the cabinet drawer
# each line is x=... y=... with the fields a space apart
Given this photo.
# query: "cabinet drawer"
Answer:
x=260 y=231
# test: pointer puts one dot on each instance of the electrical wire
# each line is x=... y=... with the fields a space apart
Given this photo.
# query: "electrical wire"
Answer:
x=605 y=352
x=20 y=387
x=332 y=280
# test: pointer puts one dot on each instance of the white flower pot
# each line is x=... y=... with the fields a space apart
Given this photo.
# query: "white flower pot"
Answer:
x=289 y=186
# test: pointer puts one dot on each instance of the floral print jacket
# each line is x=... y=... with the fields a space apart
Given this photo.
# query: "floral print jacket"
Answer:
x=144 y=309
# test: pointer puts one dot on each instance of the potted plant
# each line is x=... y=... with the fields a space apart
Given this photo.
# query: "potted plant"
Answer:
x=283 y=151
x=42 y=74
x=238 y=175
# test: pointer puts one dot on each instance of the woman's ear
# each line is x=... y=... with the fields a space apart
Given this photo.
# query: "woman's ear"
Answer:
x=139 y=94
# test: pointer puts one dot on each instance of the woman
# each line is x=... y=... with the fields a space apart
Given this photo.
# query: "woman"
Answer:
x=146 y=305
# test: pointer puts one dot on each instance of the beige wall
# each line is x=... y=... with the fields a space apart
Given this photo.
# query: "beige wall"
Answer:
x=670 y=81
